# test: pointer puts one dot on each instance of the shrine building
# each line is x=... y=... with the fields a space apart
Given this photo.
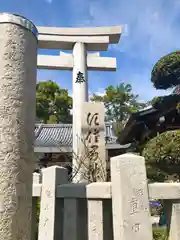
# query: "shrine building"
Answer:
x=54 y=143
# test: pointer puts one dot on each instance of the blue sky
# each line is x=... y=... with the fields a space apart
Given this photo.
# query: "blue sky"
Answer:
x=151 y=31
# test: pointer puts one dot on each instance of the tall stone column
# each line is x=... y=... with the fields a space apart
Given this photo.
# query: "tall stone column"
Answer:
x=18 y=62
x=80 y=95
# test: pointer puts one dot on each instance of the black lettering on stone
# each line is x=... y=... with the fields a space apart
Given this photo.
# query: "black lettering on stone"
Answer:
x=93 y=136
x=136 y=227
x=134 y=206
x=80 y=77
x=93 y=154
x=93 y=118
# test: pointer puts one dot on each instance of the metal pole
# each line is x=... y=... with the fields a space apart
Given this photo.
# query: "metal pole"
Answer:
x=18 y=62
x=80 y=95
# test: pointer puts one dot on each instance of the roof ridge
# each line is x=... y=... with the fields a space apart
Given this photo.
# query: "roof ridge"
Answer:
x=61 y=124
x=54 y=125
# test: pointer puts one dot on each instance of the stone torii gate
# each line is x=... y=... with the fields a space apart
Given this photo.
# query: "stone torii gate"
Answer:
x=80 y=41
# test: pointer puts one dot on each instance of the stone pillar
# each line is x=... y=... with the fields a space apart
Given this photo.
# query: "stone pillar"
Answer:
x=93 y=152
x=130 y=203
x=18 y=62
x=80 y=95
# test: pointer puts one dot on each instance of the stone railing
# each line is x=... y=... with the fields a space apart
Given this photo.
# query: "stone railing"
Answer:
x=103 y=211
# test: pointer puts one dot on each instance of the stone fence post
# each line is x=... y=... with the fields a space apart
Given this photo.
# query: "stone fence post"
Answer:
x=130 y=203
x=51 y=208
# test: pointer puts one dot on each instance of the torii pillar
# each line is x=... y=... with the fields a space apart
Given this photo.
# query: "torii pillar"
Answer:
x=80 y=89
x=80 y=41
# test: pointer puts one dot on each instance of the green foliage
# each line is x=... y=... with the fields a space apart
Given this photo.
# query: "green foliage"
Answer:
x=156 y=100
x=119 y=102
x=52 y=103
x=162 y=155
x=159 y=234
x=166 y=102
x=117 y=127
x=166 y=72
x=162 y=152
x=52 y=119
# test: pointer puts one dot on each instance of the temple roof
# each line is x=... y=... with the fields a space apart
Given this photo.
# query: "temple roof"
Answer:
x=145 y=124
x=58 y=137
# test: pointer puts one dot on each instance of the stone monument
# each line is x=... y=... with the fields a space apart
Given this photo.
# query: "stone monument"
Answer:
x=92 y=164
x=18 y=63
x=80 y=41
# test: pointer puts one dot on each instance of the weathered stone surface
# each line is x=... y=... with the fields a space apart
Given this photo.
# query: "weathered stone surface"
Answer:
x=95 y=220
x=92 y=160
x=131 y=215
x=172 y=211
x=18 y=61
x=51 y=209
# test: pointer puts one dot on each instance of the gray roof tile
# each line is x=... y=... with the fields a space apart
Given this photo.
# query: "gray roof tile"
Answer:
x=48 y=135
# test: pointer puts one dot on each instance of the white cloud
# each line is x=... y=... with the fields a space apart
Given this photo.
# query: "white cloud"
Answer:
x=99 y=92
x=49 y=1
x=150 y=24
